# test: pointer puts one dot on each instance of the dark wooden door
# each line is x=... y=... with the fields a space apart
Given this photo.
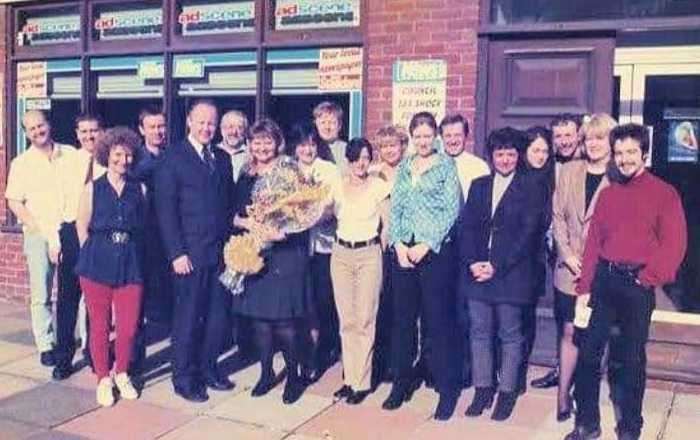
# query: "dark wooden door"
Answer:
x=532 y=80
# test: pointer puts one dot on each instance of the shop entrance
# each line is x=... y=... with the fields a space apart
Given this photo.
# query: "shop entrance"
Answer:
x=666 y=98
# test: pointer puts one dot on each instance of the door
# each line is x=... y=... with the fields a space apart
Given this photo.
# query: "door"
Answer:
x=666 y=98
x=531 y=81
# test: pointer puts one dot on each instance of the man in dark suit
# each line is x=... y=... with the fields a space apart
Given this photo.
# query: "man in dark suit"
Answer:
x=194 y=192
x=498 y=234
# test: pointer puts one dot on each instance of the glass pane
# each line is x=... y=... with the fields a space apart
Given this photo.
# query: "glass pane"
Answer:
x=616 y=98
x=60 y=25
x=547 y=11
x=128 y=21
x=200 y=17
x=316 y=14
x=672 y=108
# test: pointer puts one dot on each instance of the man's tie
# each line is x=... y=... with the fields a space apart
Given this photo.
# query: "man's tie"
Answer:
x=208 y=158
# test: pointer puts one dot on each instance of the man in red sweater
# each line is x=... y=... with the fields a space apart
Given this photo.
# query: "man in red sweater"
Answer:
x=636 y=242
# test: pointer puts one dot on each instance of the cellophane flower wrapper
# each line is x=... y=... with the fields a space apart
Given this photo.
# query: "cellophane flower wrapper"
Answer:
x=284 y=200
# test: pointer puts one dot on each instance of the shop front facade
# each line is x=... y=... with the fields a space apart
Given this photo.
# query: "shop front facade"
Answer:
x=499 y=62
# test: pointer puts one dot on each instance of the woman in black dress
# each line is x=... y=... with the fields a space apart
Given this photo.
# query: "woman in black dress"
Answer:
x=277 y=300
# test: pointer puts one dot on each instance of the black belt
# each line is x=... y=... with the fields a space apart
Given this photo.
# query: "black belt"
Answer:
x=358 y=244
x=631 y=269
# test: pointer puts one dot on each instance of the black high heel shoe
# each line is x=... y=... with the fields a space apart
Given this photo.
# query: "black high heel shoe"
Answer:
x=264 y=385
x=565 y=414
x=398 y=395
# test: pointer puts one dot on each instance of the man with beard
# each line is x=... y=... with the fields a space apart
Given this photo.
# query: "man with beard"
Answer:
x=636 y=242
x=234 y=125
x=565 y=139
x=194 y=195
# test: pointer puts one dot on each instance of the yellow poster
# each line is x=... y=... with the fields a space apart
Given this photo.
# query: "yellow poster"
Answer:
x=31 y=79
x=340 y=69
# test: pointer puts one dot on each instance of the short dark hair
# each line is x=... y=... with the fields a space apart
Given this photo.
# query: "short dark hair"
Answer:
x=632 y=131
x=84 y=117
x=566 y=118
x=122 y=136
x=150 y=111
x=455 y=118
x=422 y=118
x=505 y=139
x=539 y=132
x=305 y=132
x=266 y=128
x=203 y=101
x=355 y=147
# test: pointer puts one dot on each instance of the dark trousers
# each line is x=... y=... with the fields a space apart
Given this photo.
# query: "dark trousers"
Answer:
x=381 y=362
x=529 y=324
x=489 y=322
x=326 y=315
x=68 y=298
x=616 y=297
x=428 y=290
x=200 y=324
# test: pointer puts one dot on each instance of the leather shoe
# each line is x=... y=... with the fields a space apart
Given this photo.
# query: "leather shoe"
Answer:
x=264 y=385
x=292 y=391
x=504 y=405
x=357 y=397
x=398 y=395
x=47 y=358
x=218 y=382
x=192 y=393
x=582 y=433
x=446 y=405
x=343 y=392
x=483 y=399
x=62 y=371
x=549 y=380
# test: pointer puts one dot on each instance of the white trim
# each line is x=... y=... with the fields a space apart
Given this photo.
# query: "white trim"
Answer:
x=652 y=55
x=625 y=72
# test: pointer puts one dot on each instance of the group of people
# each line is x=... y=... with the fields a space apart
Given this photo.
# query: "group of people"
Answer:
x=426 y=266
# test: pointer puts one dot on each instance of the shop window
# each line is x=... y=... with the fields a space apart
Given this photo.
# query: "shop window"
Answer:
x=227 y=78
x=53 y=86
x=199 y=17
x=302 y=78
x=47 y=27
x=125 y=85
x=547 y=11
x=127 y=21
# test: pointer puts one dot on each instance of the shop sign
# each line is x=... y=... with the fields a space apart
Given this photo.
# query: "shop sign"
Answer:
x=126 y=25
x=340 y=69
x=31 y=79
x=151 y=70
x=683 y=134
x=189 y=68
x=39 y=31
x=418 y=86
x=217 y=18
x=38 y=104
x=316 y=14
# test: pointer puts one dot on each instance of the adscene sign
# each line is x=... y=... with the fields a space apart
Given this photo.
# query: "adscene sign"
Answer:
x=217 y=18
x=418 y=86
x=129 y=24
x=39 y=31
x=316 y=14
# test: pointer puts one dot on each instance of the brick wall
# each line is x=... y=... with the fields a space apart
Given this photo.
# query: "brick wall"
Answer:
x=421 y=29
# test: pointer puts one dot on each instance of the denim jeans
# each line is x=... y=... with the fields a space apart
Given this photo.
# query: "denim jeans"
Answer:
x=615 y=297
x=507 y=319
x=41 y=272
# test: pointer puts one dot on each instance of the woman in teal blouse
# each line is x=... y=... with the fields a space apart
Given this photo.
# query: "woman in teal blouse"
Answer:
x=425 y=204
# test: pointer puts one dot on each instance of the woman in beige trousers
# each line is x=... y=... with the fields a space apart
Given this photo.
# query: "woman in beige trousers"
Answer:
x=356 y=268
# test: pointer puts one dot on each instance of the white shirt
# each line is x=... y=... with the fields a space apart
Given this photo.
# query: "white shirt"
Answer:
x=469 y=167
x=322 y=235
x=39 y=182
x=75 y=182
x=239 y=158
x=500 y=185
x=358 y=214
x=199 y=148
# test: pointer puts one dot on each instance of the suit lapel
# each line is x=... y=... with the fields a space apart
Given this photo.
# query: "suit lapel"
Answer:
x=506 y=195
x=589 y=212
x=196 y=160
x=578 y=186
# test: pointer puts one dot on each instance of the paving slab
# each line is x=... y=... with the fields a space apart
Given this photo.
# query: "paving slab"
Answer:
x=162 y=394
x=459 y=428
x=27 y=366
x=686 y=405
x=269 y=410
x=131 y=420
x=47 y=405
x=213 y=428
x=13 y=430
x=15 y=384
x=56 y=435
x=10 y=352
x=350 y=422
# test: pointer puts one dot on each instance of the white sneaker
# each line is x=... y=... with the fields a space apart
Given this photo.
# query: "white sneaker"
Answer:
x=105 y=395
x=125 y=387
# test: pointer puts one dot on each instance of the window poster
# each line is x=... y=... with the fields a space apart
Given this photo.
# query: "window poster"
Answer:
x=217 y=18
x=46 y=30
x=418 y=86
x=340 y=69
x=31 y=79
x=683 y=134
x=316 y=14
x=129 y=24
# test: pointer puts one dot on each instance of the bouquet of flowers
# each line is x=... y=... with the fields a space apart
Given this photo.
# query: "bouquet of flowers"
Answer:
x=282 y=200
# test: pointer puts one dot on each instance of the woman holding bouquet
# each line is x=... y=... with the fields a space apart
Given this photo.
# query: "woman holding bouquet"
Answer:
x=425 y=203
x=315 y=161
x=356 y=267
x=277 y=299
